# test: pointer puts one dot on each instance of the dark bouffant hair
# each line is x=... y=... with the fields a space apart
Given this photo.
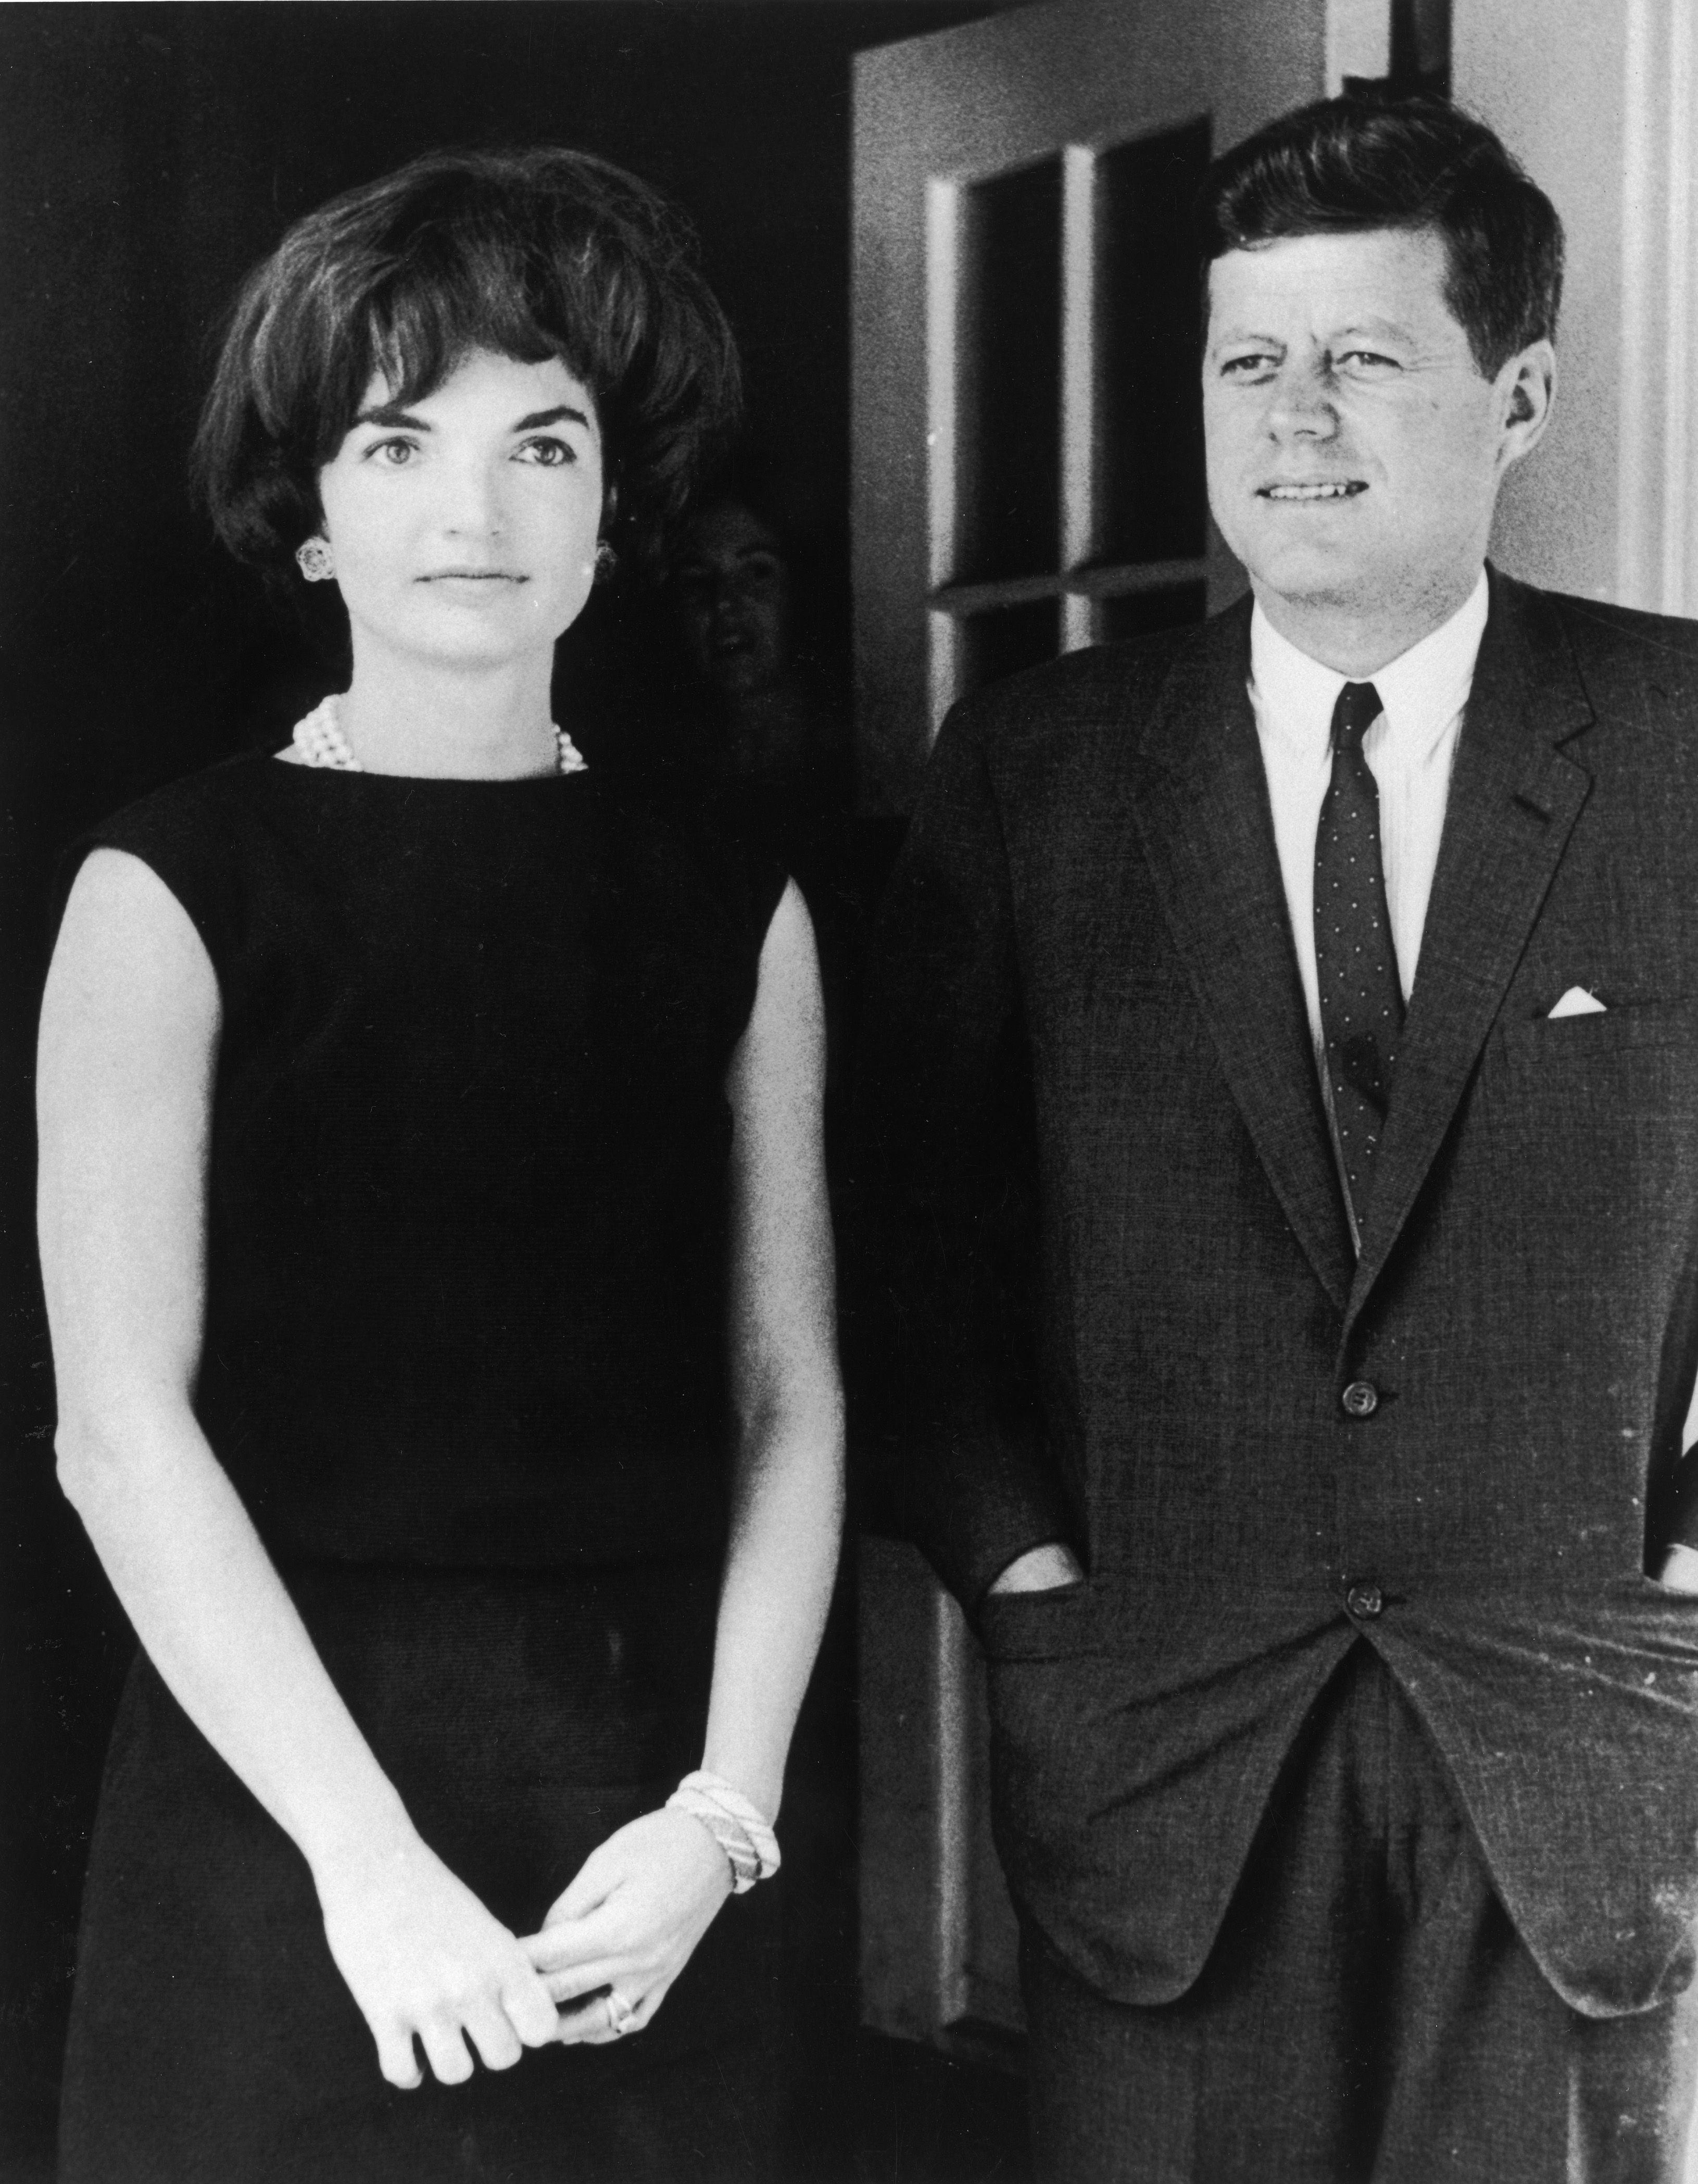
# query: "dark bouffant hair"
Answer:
x=533 y=254
x=1347 y=164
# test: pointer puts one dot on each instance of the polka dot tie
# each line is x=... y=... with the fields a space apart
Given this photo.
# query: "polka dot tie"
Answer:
x=1361 y=1002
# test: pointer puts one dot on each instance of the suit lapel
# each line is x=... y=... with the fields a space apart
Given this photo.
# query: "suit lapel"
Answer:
x=1203 y=812
x=1513 y=801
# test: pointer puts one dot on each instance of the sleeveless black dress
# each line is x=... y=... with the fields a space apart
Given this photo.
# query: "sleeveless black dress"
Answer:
x=465 y=1362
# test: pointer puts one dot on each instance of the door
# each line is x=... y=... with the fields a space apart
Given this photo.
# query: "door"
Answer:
x=1027 y=479
x=1028 y=451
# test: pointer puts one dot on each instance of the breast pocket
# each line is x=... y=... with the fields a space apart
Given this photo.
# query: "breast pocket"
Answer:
x=1569 y=1209
x=1546 y=1042
x=1591 y=1125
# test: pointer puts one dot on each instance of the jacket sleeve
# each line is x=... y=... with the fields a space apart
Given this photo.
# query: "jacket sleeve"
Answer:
x=943 y=1351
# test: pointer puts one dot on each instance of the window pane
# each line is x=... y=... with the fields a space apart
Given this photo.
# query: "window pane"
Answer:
x=1151 y=497
x=1010 y=361
x=1005 y=639
x=1130 y=613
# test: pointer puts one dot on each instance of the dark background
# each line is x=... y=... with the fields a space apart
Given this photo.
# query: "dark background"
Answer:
x=148 y=154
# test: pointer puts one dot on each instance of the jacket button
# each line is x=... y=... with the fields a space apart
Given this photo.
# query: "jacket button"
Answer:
x=1365 y=1600
x=1361 y=1399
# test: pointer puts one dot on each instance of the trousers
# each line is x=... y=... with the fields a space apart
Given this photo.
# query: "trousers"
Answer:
x=1368 y=2014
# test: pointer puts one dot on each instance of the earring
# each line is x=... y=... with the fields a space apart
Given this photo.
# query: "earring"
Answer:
x=315 y=558
x=606 y=561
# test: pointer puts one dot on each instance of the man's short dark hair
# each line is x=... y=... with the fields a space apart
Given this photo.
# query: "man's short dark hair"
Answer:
x=1346 y=165
x=533 y=254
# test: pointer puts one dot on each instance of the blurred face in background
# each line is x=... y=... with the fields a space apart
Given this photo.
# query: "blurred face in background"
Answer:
x=733 y=595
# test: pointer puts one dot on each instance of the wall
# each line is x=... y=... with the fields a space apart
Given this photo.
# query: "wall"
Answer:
x=1601 y=104
x=1547 y=75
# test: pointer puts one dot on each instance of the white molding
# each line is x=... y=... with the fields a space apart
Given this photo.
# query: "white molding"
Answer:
x=952 y=1660
x=943 y=218
x=1657 y=497
x=943 y=667
x=945 y=214
x=1078 y=620
x=1078 y=353
x=1637 y=494
x=1680 y=338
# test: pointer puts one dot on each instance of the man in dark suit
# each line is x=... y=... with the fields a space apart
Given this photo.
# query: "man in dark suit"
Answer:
x=1285 y=1169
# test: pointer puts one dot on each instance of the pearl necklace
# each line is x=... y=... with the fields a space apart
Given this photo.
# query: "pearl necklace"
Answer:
x=321 y=742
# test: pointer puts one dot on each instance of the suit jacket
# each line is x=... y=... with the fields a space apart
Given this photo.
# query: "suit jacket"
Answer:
x=1122 y=1295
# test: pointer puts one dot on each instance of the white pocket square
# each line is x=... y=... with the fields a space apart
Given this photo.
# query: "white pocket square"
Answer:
x=1578 y=1002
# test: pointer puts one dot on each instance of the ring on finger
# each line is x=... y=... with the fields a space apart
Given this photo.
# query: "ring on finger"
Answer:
x=622 y=2017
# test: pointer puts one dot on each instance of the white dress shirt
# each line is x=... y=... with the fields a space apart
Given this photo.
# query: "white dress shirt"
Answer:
x=1409 y=749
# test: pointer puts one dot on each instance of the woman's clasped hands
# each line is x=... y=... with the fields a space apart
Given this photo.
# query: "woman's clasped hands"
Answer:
x=426 y=1961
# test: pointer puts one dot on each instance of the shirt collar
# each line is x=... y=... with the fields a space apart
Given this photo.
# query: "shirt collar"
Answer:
x=1423 y=690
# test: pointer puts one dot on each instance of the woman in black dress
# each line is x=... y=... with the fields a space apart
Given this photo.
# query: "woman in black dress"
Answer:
x=439 y=1272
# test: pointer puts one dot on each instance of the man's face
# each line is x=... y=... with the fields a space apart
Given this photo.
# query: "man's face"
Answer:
x=1355 y=451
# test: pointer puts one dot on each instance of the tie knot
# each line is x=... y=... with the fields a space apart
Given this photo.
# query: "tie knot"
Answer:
x=1356 y=712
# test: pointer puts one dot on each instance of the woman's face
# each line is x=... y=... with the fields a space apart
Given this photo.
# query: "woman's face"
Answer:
x=464 y=527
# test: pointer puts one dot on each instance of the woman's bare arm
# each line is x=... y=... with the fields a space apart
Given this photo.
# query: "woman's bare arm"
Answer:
x=130 y=1031
x=645 y=1896
x=787 y=1502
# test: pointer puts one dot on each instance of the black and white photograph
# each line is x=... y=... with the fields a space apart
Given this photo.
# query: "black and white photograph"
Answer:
x=850 y=948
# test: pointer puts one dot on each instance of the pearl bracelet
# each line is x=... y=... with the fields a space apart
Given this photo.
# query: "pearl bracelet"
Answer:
x=735 y=1824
